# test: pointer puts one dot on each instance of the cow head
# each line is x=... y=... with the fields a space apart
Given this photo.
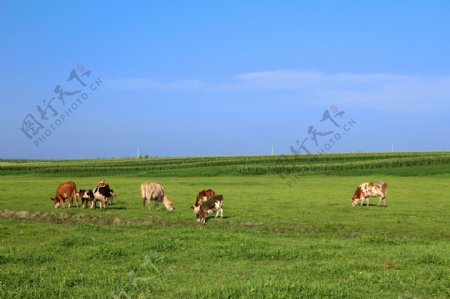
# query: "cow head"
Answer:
x=56 y=202
x=198 y=203
x=356 y=197
x=102 y=184
x=168 y=203
x=110 y=198
x=201 y=217
x=195 y=208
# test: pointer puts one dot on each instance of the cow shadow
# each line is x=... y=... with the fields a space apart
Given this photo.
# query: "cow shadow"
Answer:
x=212 y=217
x=116 y=207
x=372 y=205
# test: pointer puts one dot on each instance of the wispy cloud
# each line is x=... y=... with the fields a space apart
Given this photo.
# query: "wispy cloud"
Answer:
x=391 y=91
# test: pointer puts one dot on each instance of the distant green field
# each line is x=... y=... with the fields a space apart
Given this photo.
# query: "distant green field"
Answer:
x=286 y=233
x=424 y=163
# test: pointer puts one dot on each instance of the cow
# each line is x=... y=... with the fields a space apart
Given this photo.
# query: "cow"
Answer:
x=213 y=203
x=153 y=191
x=371 y=189
x=66 y=190
x=109 y=199
x=202 y=196
x=87 y=196
x=101 y=194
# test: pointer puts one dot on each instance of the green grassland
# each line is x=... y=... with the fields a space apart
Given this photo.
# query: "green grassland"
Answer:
x=289 y=230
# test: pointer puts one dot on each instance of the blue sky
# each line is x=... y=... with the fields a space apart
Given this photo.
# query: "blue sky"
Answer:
x=182 y=78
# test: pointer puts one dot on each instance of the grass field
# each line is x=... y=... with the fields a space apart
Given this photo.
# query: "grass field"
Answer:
x=285 y=234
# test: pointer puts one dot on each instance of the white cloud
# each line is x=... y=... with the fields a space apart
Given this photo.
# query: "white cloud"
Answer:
x=391 y=91
x=378 y=90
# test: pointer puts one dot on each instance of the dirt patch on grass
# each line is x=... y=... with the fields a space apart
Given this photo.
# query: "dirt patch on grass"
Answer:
x=50 y=217
x=61 y=218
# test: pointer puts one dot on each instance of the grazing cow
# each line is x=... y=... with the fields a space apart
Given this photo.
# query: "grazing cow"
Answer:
x=63 y=191
x=154 y=191
x=87 y=196
x=213 y=203
x=101 y=194
x=366 y=190
x=202 y=196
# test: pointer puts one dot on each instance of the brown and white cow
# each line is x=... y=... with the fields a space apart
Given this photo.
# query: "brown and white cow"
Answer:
x=213 y=203
x=202 y=196
x=153 y=191
x=66 y=190
x=371 y=189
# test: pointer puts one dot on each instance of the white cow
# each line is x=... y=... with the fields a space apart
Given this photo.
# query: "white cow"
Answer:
x=154 y=191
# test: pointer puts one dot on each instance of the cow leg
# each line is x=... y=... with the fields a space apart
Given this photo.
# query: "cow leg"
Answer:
x=158 y=200
x=219 y=212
